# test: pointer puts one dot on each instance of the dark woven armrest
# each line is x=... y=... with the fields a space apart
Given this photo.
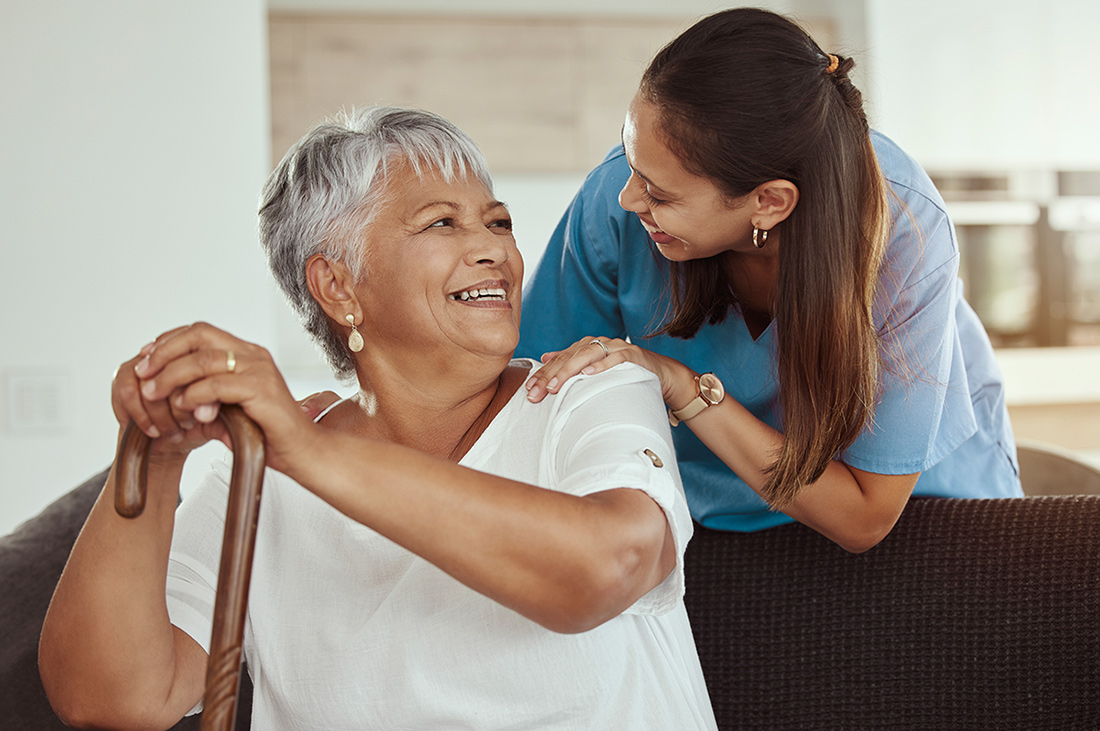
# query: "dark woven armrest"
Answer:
x=31 y=560
x=971 y=614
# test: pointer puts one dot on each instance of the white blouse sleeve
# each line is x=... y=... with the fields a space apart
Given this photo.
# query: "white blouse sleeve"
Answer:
x=196 y=554
x=612 y=431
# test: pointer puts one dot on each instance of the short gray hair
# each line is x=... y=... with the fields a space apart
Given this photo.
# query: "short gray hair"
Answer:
x=328 y=187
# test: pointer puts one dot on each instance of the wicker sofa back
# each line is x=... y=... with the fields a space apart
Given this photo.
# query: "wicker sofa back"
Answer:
x=971 y=614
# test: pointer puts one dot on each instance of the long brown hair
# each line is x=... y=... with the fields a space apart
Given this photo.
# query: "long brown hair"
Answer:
x=746 y=96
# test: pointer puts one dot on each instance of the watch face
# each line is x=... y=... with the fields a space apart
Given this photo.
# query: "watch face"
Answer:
x=711 y=389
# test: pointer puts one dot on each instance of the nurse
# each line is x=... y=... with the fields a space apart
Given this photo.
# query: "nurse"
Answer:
x=791 y=276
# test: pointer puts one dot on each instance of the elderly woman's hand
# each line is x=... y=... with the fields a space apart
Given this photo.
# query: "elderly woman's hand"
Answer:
x=596 y=354
x=187 y=373
x=174 y=432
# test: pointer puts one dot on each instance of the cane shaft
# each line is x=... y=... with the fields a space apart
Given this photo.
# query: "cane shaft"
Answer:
x=223 y=668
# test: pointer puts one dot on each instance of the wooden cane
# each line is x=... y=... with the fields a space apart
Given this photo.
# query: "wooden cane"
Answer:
x=223 y=669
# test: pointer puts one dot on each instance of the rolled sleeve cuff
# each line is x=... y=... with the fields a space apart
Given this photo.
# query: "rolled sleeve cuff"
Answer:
x=661 y=487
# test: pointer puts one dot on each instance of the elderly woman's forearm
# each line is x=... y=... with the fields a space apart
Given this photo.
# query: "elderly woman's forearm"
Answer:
x=566 y=562
x=108 y=654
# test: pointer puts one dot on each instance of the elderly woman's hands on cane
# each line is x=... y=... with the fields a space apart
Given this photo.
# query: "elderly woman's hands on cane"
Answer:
x=182 y=378
x=242 y=516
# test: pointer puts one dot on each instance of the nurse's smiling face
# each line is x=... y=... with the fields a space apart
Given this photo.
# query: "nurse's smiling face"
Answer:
x=687 y=215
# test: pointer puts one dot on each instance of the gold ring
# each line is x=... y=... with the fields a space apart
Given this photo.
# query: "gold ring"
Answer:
x=230 y=362
x=606 y=352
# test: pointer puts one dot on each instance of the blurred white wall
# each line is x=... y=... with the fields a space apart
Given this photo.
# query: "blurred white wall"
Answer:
x=133 y=142
x=1000 y=84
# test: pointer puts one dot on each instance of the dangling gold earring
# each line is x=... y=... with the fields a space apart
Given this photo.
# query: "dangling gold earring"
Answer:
x=355 y=340
x=759 y=237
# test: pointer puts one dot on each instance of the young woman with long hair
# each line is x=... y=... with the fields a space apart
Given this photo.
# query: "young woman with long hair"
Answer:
x=792 y=278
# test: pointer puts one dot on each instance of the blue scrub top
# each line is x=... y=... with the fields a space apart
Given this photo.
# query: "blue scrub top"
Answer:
x=941 y=413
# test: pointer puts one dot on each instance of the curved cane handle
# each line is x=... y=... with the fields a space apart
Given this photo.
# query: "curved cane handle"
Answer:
x=223 y=669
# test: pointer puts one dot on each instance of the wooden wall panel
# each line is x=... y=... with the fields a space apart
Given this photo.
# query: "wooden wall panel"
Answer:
x=539 y=95
x=614 y=55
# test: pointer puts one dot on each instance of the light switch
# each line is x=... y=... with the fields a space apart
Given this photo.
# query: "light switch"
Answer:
x=37 y=401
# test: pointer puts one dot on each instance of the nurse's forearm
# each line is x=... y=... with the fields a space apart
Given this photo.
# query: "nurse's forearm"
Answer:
x=853 y=508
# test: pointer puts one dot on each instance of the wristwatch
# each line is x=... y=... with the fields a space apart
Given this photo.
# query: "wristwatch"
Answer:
x=711 y=392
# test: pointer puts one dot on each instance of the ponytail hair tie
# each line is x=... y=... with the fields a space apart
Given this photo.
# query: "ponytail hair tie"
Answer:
x=834 y=62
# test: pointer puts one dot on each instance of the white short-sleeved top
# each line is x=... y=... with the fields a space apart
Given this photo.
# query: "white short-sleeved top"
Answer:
x=347 y=630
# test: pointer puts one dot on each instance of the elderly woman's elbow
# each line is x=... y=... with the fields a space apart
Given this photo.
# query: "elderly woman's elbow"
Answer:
x=94 y=716
x=68 y=710
x=577 y=617
x=73 y=709
x=77 y=716
x=76 y=711
x=79 y=705
x=66 y=704
x=573 y=624
x=598 y=594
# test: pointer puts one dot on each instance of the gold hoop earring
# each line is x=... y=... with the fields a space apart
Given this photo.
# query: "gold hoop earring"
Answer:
x=759 y=237
x=355 y=340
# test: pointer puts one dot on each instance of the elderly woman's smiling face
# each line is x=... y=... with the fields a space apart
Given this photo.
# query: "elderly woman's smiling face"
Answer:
x=443 y=271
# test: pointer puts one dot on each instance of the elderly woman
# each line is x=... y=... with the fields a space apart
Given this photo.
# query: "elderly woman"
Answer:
x=434 y=552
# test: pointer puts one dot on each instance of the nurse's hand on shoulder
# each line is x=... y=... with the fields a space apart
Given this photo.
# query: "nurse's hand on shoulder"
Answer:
x=596 y=354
